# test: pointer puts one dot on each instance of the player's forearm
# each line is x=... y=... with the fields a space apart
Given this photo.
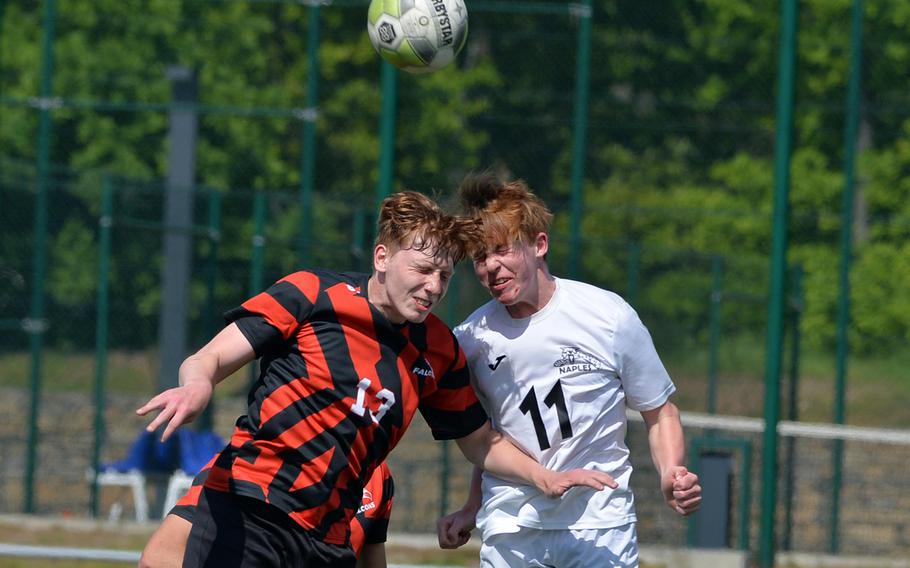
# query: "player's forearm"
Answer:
x=506 y=461
x=665 y=437
x=475 y=493
x=199 y=367
x=492 y=452
x=227 y=352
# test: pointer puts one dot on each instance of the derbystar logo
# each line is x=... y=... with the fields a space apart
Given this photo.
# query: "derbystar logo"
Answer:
x=386 y=33
x=575 y=360
x=445 y=25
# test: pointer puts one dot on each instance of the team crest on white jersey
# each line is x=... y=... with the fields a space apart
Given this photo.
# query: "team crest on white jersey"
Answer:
x=573 y=359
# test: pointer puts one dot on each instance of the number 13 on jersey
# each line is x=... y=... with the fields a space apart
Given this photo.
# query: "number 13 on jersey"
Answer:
x=385 y=395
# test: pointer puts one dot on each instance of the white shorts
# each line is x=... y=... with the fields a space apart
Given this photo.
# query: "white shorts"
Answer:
x=538 y=548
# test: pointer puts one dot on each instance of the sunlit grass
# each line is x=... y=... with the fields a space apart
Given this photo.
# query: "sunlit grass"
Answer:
x=127 y=372
x=877 y=388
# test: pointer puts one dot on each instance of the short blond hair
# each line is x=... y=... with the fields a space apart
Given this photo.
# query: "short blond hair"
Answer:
x=506 y=211
x=409 y=219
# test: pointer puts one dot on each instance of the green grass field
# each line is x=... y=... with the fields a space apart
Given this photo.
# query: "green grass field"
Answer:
x=131 y=536
x=878 y=388
x=878 y=395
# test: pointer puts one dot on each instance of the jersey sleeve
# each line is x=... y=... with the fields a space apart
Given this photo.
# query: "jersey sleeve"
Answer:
x=645 y=380
x=450 y=405
x=274 y=315
x=378 y=529
x=371 y=523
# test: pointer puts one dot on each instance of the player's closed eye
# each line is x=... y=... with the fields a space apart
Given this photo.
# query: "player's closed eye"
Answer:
x=501 y=250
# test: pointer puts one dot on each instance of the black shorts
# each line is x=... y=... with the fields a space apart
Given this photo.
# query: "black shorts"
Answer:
x=232 y=531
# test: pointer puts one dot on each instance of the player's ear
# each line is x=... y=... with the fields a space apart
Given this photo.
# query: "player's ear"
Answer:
x=541 y=245
x=380 y=257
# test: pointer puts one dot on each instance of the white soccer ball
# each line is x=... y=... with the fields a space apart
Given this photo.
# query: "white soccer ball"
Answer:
x=418 y=36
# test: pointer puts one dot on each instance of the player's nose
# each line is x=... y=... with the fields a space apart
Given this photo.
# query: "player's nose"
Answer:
x=433 y=284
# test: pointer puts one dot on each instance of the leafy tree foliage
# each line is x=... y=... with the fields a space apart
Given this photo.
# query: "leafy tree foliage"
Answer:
x=680 y=139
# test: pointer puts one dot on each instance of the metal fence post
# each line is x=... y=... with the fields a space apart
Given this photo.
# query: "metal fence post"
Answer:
x=209 y=313
x=257 y=259
x=177 y=220
x=579 y=145
x=387 y=132
x=308 y=164
x=36 y=324
x=796 y=306
x=2 y=10
x=717 y=273
x=210 y=318
x=633 y=271
x=105 y=222
x=782 y=149
x=360 y=248
x=843 y=304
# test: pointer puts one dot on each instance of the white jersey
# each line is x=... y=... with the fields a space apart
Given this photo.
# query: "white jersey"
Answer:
x=558 y=384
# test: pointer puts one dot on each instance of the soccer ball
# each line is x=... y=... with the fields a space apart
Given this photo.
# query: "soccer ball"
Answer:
x=418 y=36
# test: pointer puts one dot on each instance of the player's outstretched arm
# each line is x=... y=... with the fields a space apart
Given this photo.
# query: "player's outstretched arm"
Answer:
x=454 y=530
x=679 y=486
x=490 y=450
x=199 y=373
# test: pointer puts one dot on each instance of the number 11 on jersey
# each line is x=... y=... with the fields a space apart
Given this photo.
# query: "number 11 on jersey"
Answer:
x=554 y=397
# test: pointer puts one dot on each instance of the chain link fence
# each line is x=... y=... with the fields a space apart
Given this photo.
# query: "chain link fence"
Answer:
x=649 y=134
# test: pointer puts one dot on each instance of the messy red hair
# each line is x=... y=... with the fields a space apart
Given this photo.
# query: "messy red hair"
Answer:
x=409 y=219
x=506 y=211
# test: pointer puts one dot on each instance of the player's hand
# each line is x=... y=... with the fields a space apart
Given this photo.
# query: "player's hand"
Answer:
x=556 y=483
x=177 y=406
x=454 y=529
x=681 y=490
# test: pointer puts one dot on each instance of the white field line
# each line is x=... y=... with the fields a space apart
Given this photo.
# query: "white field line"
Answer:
x=70 y=553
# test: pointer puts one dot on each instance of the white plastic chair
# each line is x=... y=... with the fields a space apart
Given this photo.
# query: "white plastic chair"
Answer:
x=196 y=449
x=147 y=454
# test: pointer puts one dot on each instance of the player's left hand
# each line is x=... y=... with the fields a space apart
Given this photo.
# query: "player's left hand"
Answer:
x=454 y=529
x=681 y=490
x=177 y=406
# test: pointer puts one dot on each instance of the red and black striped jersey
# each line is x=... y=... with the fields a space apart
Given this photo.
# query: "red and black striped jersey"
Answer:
x=185 y=507
x=371 y=523
x=369 y=526
x=338 y=386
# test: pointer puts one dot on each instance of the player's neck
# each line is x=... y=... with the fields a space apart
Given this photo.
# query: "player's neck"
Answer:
x=376 y=294
x=536 y=298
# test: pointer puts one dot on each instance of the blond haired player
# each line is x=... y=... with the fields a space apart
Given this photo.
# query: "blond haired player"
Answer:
x=346 y=361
